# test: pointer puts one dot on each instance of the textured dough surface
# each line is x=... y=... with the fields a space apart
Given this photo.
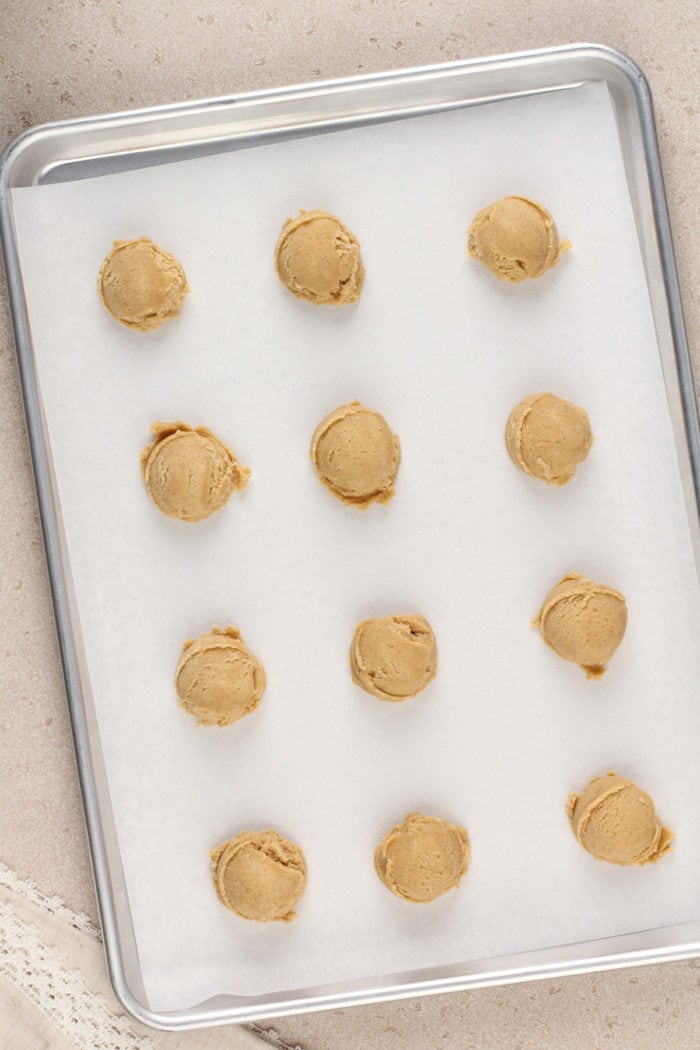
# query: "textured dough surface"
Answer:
x=259 y=875
x=547 y=437
x=318 y=259
x=188 y=472
x=614 y=820
x=515 y=238
x=583 y=621
x=393 y=657
x=142 y=285
x=356 y=455
x=218 y=679
x=422 y=858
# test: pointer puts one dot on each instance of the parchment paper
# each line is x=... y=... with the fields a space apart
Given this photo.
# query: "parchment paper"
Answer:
x=444 y=351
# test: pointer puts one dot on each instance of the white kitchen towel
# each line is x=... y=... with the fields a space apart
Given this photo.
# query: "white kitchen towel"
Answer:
x=55 y=992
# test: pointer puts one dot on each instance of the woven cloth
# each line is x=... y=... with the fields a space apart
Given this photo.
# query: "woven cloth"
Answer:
x=55 y=992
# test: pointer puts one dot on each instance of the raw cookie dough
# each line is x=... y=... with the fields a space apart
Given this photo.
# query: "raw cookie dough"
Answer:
x=515 y=238
x=422 y=858
x=142 y=285
x=188 y=472
x=218 y=679
x=394 y=657
x=259 y=875
x=583 y=622
x=356 y=455
x=614 y=820
x=319 y=260
x=547 y=437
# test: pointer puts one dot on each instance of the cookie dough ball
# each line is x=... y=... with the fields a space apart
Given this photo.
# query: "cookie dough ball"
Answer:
x=422 y=858
x=356 y=455
x=515 y=238
x=218 y=679
x=393 y=658
x=614 y=820
x=547 y=437
x=259 y=875
x=142 y=285
x=319 y=260
x=583 y=622
x=189 y=473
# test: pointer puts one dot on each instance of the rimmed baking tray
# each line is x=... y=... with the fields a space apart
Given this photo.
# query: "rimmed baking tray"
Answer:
x=76 y=150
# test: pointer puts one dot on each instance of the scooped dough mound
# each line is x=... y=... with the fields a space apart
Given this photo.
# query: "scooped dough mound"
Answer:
x=515 y=238
x=259 y=875
x=394 y=657
x=319 y=260
x=218 y=679
x=188 y=472
x=583 y=621
x=356 y=455
x=142 y=285
x=547 y=437
x=614 y=820
x=422 y=858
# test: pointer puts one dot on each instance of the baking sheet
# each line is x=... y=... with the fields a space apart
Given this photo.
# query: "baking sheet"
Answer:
x=444 y=351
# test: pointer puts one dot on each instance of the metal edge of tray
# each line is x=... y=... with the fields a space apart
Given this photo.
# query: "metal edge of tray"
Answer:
x=160 y=131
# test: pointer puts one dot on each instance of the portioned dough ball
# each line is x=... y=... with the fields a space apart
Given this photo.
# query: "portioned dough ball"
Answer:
x=259 y=875
x=583 y=621
x=547 y=437
x=515 y=238
x=190 y=474
x=318 y=259
x=141 y=285
x=218 y=679
x=356 y=455
x=422 y=858
x=393 y=657
x=614 y=820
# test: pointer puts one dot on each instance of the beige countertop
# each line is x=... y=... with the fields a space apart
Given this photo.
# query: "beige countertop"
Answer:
x=68 y=58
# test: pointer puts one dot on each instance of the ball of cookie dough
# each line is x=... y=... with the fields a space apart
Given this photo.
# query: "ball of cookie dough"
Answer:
x=614 y=820
x=188 y=472
x=583 y=621
x=422 y=858
x=141 y=284
x=515 y=238
x=547 y=437
x=356 y=455
x=319 y=260
x=259 y=875
x=394 y=657
x=218 y=680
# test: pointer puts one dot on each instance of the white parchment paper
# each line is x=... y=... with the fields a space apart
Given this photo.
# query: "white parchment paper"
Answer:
x=444 y=351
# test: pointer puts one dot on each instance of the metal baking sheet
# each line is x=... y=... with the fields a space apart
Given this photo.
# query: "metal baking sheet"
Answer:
x=111 y=145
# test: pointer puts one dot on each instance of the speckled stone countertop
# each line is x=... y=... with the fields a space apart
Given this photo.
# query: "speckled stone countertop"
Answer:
x=67 y=58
